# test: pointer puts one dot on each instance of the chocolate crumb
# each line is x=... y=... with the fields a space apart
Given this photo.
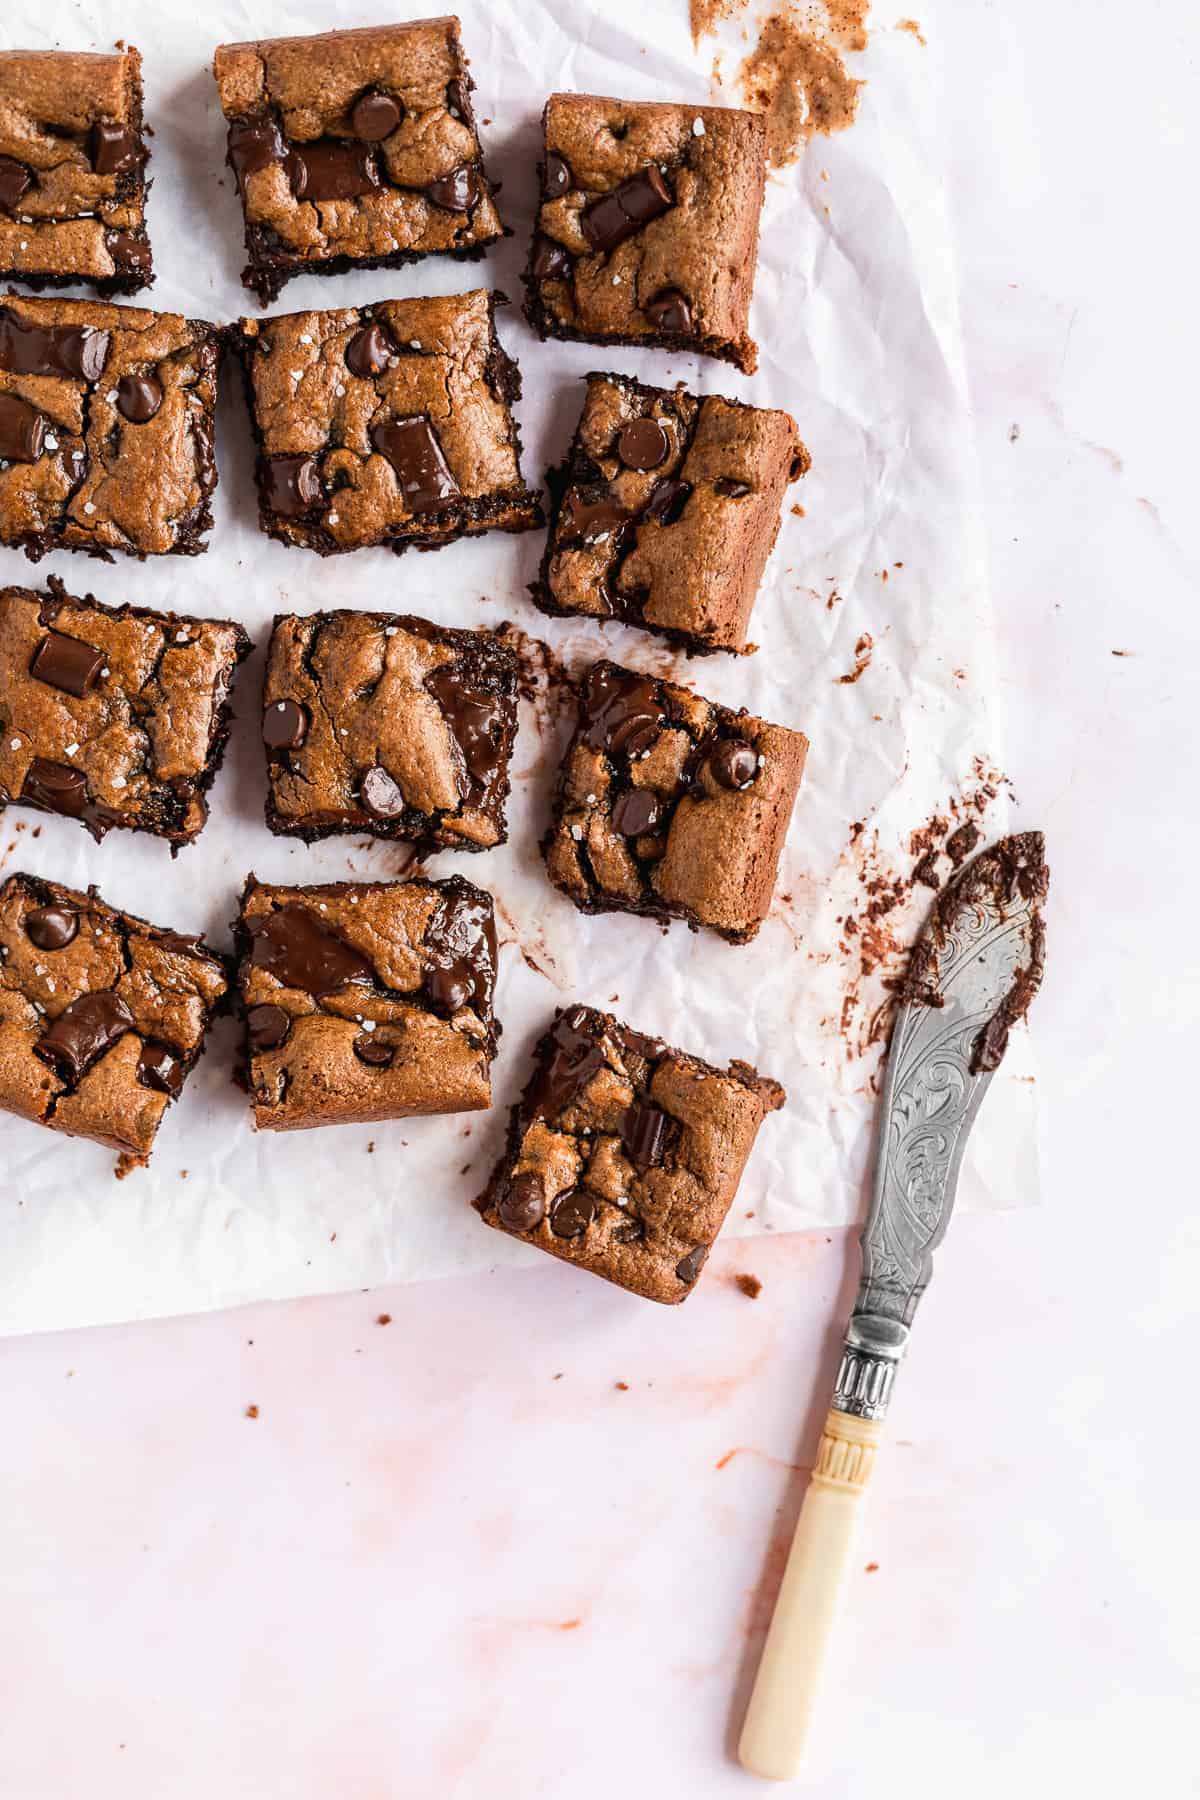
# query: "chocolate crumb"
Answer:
x=749 y=1285
x=252 y=1411
x=384 y=1319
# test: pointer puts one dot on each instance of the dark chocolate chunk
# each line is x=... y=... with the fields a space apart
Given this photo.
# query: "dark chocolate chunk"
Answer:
x=411 y=446
x=460 y=949
x=15 y=179
x=575 y=1058
x=734 y=763
x=75 y=351
x=522 y=1206
x=51 y=927
x=129 y=252
x=448 y=990
x=456 y=99
x=476 y=719
x=650 y=1048
x=590 y=520
x=667 y=501
x=285 y=725
x=56 y=788
x=332 y=169
x=670 y=311
x=642 y=444
x=622 y=713
x=731 y=489
x=550 y=261
x=375 y=116
x=369 y=352
x=637 y=810
x=644 y=1133
x=380 y=794
x=608 y=221
x=114 y=148
x=139 y=397
x=82 y=1032
x=67 y=663
x=457 y=192
x=373 y=1051
x=22 y=430
x=688 y=1267
x=572 y=1213
x=267 y=1027
x=557 y=176
x=160 y=1067
x=254 y=144
x=296 y=948
x=291 y=485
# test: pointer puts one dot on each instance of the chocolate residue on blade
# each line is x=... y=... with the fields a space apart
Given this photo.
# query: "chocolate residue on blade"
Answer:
x=796 y=76
x=1012 y=870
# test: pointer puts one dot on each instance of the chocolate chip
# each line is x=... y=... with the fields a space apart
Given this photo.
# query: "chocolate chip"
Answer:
x=130 y=253
x=381 y=796
x=411 y=446
x=254 y=144
x=688 y=1267
x=285 y=725
x=670 y=311
x=332 y=169
x=290 y=485
x=642 y=444
x=731 y=489
x=158 y=1066
x=608 y=221
x=375 y=116
x=51 y=927
x=22 y=430
x=734 y=763
x=267 y=1027
x=67 y=663
x=590 y=520
x=637 y=810
x=572 y=1213
x=15 y=178
x=522 y=1206
x=114 y=148
x=370 y=1050
x=82 y=1032
x=448 y=989
x=550 y=261
x=667 y=501
x=557 y=178
x=75 y=351
x=369 y=352
x=138 y=398
x=644 y=1133
x=621 y=713
x=296 y=948
x=456 y=192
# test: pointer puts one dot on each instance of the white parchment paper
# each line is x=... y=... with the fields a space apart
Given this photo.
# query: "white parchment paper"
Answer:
x=855 y=314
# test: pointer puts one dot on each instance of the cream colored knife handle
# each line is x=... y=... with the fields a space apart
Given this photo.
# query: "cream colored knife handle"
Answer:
x=785 y=1690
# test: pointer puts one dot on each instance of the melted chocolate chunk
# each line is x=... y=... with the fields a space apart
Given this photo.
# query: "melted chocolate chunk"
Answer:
x=15 y=179
x=296 y=948
x=381 y=794
x=371 y=1050
x=460 y=952
x=267 y=1027
x=644 y=1133
x=51 y=927
x=557 y=176
x=667 y=501
x=254 y=144
x=332 y=169
x=78 y=352
x=643 y=444
x=285 y=725
x=550 y=261
x=670 y=311
x=731 y=489
x=411 y=446
x=688 y=1267
x=575 y=1057
x=129 y=252
x=476 y=719
x=82 y=1032
x=291 y=485
x=457 y=192
x=590 y=520
x=622 y=713
x=456 y=99
x=66 y=663
x=572 y=1213
x=158 y=1066
x=56 y=788
x=114 y=148
x=375 y=115
x=608 y=221
x=369 y=352
x=139 y=397
x=22 y=430
x=522 y=1206
x=734 y=764
x=637 y=811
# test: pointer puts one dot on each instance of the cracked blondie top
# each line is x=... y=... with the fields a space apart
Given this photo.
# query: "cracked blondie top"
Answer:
x=666 y=511
x=354 y=149
x=113 y=715
x=366 y=1000
x=384 y=723
x=624 y=1155
x=102 y=1016
x=647 y=231
x=73 y=170
x=106 y=428
x=672 y=806
x=387 y=424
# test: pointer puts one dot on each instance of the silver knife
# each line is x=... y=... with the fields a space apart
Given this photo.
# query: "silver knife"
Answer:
x=972 y=975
